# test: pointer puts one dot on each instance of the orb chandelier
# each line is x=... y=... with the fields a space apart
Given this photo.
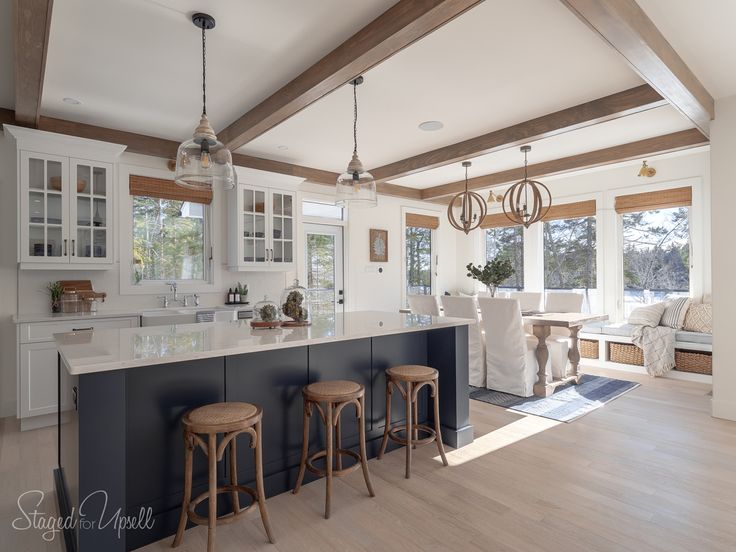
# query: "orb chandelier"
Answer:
x=356 y=185
x=525 y=202
x=203 y=160
x=472 y=207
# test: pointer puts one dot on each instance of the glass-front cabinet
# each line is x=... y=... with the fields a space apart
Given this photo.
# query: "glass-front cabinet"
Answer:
x=66 y=205
x=262 y=225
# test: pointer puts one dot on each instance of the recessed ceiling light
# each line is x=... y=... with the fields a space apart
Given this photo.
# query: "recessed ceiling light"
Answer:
x=431 y=125
x=71 y=101
x=282 y=148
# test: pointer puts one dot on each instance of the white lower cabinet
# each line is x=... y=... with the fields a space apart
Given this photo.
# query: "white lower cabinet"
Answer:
x=38 y=365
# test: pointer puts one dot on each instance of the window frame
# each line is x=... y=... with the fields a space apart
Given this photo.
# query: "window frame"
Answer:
x=484 y=257
x=434 y=256
x=125 y=241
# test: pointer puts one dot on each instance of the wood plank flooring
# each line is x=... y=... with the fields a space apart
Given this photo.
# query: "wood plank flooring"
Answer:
x=648 y=472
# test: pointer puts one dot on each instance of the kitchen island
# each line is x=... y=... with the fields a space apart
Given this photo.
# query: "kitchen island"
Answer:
x=122 y=394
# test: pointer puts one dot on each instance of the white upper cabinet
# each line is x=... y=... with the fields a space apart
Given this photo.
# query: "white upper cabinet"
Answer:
x=262 y=228
x=65 y=200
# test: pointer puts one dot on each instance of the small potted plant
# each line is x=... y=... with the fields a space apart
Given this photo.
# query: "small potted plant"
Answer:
x=55 y=290
x=493 y=274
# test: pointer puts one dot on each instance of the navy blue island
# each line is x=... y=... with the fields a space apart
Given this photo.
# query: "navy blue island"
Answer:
x=122 y=394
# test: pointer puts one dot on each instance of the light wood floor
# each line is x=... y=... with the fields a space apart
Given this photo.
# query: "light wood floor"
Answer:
x=650 y=471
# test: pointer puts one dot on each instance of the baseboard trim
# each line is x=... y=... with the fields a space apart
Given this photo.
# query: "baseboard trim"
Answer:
x=35 y=422
x=723 y=409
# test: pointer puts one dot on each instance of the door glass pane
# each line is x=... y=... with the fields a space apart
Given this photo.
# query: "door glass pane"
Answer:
x=288 y=252
x=287 y=229
x=248 y=226
x=53 y=208
x=54 y=243
x=53 y=170
x=260 y=206
x=260 y=226
x=321 y=273
x=249 y=248
x=278 y=252
x=35 y=174
x=36 y=241
x=100 y=244
x=260 y=251
x=83 y=211
x=83 y=179
x=277 y=209
x=277 y=224
x=100 y=181
x=248 y=203
x=36 y=212
x=99 y=215
x=287 y=206
x=84 y=243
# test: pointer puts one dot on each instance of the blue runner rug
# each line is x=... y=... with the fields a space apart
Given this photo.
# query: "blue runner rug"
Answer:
x=567 y=403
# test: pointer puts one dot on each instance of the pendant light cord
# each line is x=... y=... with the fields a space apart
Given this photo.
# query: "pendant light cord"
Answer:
x=204 y=73
x=355 y=118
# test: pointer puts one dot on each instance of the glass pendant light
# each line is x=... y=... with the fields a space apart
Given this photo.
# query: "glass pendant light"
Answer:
x=203 y=160
x=356 y=185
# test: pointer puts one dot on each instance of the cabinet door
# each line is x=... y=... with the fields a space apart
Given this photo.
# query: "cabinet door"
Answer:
x=44 y=204
x=283 y=229
x=38 y=373
x=253 y=210
x=90 y=220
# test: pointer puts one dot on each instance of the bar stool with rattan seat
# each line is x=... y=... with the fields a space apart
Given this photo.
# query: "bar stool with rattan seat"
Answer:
x=232 y=419
x=414 y=377
x=335 y=395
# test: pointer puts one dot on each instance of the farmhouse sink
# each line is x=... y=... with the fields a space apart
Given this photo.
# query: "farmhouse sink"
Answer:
x=167 y=317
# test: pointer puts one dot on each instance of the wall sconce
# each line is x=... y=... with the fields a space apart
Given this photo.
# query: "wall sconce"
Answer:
x=646 y=170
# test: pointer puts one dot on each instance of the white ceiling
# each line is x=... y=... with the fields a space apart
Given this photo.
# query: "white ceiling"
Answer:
x=500 y=63
x=640 y=126
x=702 y=33
x=7 y=80
x=136 y=64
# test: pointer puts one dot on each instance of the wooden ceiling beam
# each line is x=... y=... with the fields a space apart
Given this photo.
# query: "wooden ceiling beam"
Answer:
x=625 y=152
x=395 y=29
x=32 y=21
x=628 y=29
x=603 y=109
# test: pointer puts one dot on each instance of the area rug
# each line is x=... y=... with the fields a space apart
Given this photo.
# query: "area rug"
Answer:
x=567 y=403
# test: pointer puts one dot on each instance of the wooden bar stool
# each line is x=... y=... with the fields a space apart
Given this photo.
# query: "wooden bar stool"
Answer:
x=336 y=395
x=415 y=377
x=232 y=419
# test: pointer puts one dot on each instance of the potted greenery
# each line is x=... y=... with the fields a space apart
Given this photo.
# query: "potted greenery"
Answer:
x=55 y=289
x=493 y=274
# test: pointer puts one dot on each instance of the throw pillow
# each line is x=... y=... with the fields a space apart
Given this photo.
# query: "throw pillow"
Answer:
x=647 y=316
x=674 y=313
x=699 y=318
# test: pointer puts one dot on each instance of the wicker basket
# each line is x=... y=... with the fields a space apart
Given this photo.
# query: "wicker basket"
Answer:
x=694 y=361
x=588 y=348
x=625 y=353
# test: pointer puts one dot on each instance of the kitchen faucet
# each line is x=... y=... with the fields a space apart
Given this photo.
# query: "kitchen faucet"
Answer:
x=175 y=297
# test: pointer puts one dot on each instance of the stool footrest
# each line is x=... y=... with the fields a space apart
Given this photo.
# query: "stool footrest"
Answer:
x=227 y=518
x=432 y=435
x=335 y=473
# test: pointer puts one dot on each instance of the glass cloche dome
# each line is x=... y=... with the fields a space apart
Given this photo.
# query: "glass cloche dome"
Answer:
x=295 y=306
x=266 y=314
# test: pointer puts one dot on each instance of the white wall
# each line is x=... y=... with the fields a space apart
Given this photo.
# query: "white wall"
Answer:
x=723 y=200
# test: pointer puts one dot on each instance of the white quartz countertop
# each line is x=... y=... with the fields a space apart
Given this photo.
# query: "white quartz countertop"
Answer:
x=112 y=313
x=103 y=350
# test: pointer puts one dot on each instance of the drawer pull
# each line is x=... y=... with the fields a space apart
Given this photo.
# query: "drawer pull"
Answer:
x=83 y=329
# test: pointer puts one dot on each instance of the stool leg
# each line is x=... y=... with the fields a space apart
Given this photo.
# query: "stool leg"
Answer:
x=415 y=433
x=328 y=461
x=234 y=475
x=363 y=455
x=259 y=485
x=305 y=448
x=437 y=426
x=408 y=428
x=338 y=443
x=212 y=502
x=188 y=453
x=384 y=442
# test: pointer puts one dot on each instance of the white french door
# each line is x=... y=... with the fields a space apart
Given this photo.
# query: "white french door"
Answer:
x=323 y=262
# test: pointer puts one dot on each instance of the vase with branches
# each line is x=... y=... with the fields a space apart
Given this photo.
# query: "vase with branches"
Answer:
x=493 y=274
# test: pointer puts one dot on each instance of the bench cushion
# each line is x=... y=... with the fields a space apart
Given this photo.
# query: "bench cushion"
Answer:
x=622 y=328
x=694 y=337
x=593 y=327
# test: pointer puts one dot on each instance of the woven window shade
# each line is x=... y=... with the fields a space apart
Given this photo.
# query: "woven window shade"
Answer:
x=422 y=221
x=578 y=209
x=497 y=220
x=166 y=189
x=650 y=201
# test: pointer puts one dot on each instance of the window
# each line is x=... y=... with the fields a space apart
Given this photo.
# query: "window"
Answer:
x=508 y=242
x=418 y=260
x=656 y=254
x=321 y=210
x=570 y=257
x=169 y=239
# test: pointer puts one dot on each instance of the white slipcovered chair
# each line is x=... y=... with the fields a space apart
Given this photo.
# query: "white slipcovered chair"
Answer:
x=560 y=301
x=467 y=307
x=424 y=304
x=511 y=361
x=528 y=300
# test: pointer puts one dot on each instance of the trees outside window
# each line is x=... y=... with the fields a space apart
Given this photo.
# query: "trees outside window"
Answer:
x=168 y=239
x=508 y=242
x=418 y=261
x=656 y=252
x=570 y=257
